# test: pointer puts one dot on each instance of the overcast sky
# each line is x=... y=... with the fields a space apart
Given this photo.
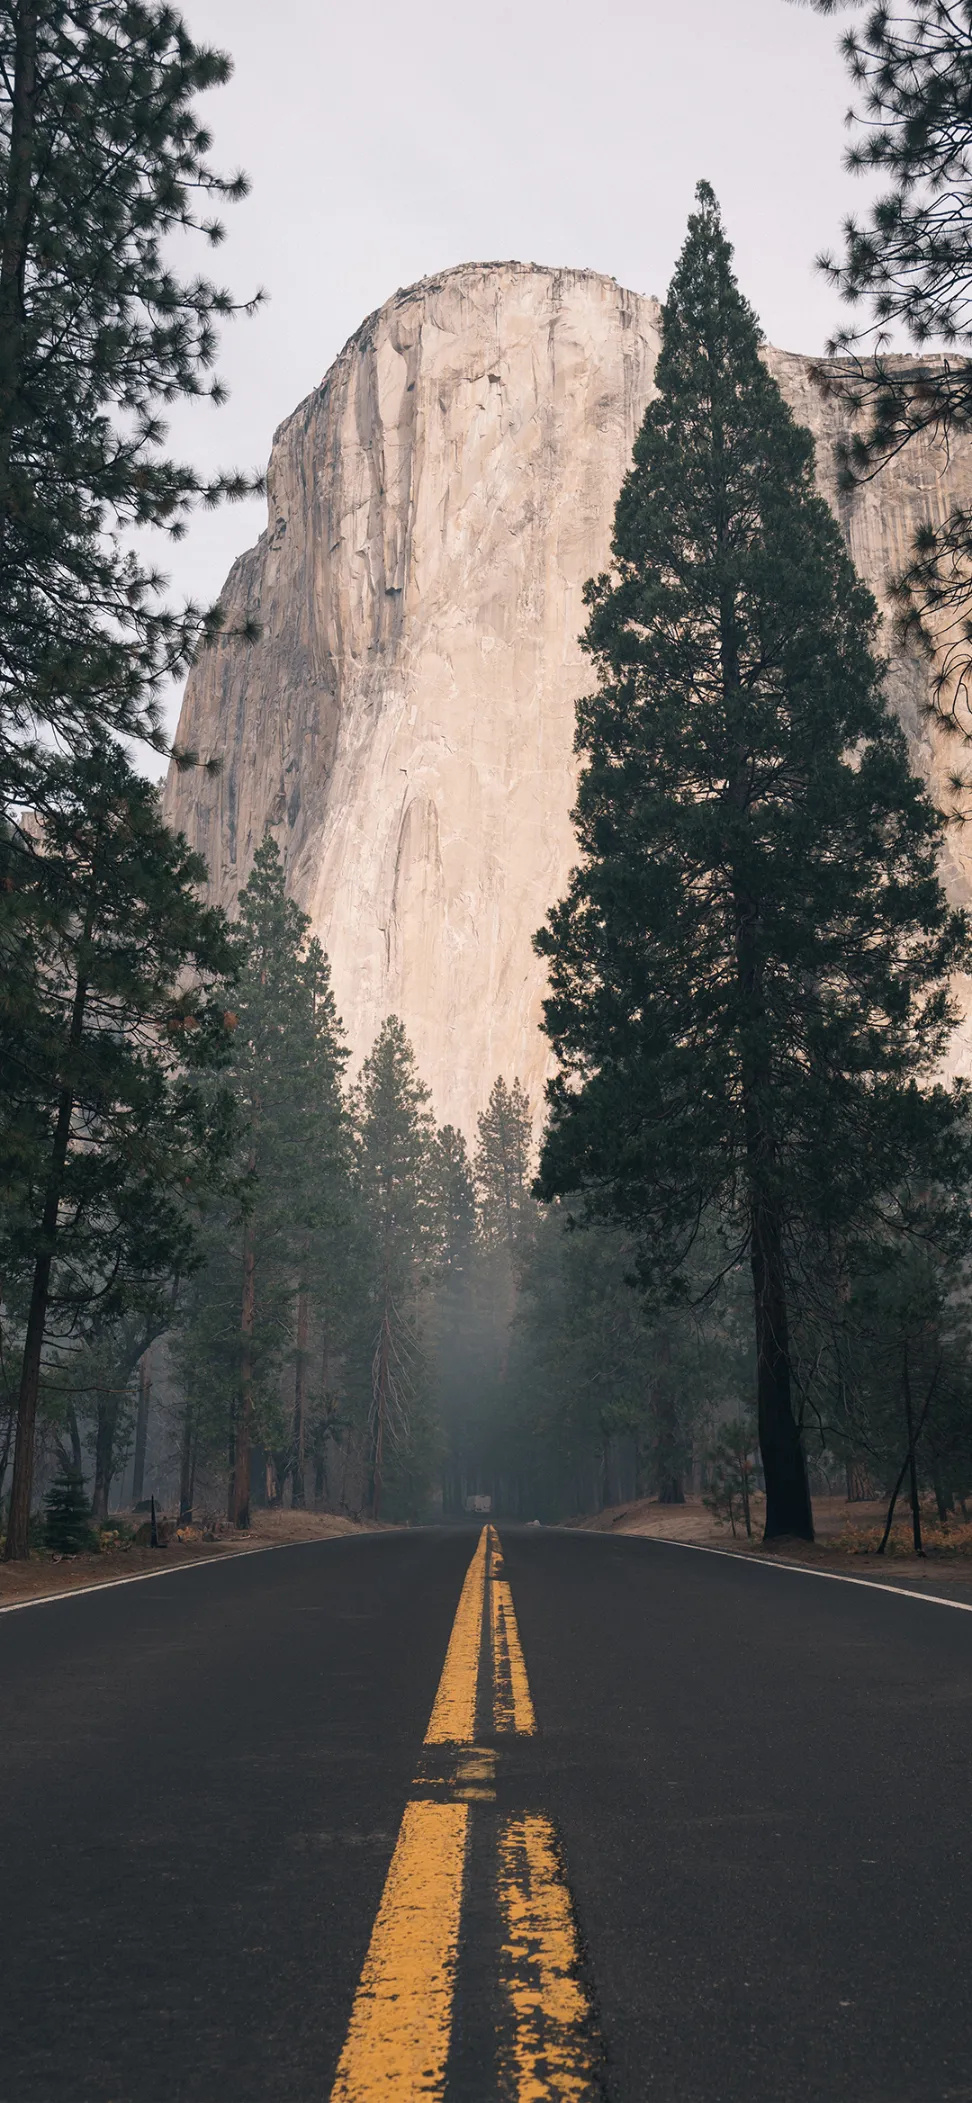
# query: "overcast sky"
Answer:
x=385 y=142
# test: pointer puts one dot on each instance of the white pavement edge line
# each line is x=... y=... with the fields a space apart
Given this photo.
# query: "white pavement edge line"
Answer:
x=143 y=1577
x=836 y=1577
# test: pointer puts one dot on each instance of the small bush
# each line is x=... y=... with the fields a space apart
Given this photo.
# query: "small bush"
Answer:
x=116 y=1532
x=67 y=1528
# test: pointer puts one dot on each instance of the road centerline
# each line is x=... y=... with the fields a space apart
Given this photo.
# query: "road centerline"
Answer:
x=552 y=2052
x=400 y=2032
x=397 y=2045
x=453 y=1718
x=513 y=1709
x=401 y=2023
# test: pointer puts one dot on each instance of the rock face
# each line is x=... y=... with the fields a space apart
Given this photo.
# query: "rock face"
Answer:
x=405 y=724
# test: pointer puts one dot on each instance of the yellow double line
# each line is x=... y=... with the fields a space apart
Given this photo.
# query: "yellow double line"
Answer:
x=397 y=2045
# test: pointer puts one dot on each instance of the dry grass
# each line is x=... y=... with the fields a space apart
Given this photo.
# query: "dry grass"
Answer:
x=45 y=1574
x=848 y=1536
x=278 y=1525
x=954 y=1540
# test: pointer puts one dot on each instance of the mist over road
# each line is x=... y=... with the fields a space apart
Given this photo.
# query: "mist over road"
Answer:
x=710 y=1824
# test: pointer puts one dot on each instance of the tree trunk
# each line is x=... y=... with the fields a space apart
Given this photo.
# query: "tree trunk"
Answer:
x=602 y=1477
x=74 y=1434
x=382 y=1406
x=912 y=1462
x=107 y=1425
x=894 y=1499
x=857 y=1482
x=5 y=1449
x=668 y=1471
x=744 y=1492
x=18 y=209
x=186 y=1468
x=944 y=1500
x=788 y=1507
x=141 y=1429
x=18 y=1519
x=344 y=1471
x=239 y=1511
x=298 y=1496
x=322 y=1485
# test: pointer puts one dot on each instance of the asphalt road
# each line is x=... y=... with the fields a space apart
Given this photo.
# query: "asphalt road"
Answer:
x=759 y=1783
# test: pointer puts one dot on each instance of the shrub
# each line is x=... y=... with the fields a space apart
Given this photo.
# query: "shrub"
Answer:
x=68 y=1529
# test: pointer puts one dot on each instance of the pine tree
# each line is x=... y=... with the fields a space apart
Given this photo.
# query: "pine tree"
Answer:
x=67 y=1527
x=910 y=264
x=280 y=1240
x=458 y=1320
x=327 y=1225
x=732 y=1474
x=286 y=1077
x=457 y=1199
x=397 y=1167
x=102 y=160
x=902 y=1410
x=502 y=1163
x=750 y=970
x=104 y=1113
x=112 y=1360
x=272 y=930
x=906 y=270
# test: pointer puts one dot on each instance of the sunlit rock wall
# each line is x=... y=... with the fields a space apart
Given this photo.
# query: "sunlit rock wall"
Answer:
x=405 y=724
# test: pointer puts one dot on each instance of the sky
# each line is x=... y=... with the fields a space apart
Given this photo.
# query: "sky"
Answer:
x=385 y=142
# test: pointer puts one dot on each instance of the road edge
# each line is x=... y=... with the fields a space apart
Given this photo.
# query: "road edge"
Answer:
x=144 y=1577
x=836 y=1577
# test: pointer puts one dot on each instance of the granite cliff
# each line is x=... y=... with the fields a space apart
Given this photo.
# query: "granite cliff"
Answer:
x=405 y=724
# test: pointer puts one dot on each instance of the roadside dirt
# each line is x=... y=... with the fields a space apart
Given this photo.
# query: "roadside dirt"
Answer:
x=847 y=1538
x=45 y=1574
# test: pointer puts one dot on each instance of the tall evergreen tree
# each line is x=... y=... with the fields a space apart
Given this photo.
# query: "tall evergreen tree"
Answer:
x=267 y=1050
x=288 y=1059
x=750 y=970
x=502 y=1163
x=102 y=160
x=457 y=1325
x=328 y=1229
x=106 y=1128
x=281 y=1241
x=402 y=1198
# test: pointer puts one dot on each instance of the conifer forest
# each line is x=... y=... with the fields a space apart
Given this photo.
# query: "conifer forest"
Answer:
x=485 y=1051
x=729 y=1255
